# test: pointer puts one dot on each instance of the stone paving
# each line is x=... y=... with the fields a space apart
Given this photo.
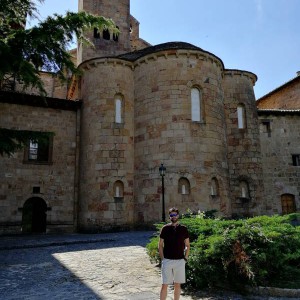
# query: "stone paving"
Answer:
x=111 y=266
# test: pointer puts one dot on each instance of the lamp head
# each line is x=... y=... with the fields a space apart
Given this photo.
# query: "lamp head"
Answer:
x=162 y=170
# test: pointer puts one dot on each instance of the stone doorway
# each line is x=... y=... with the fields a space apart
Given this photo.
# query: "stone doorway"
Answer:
x=288 y=204
x=34 y=216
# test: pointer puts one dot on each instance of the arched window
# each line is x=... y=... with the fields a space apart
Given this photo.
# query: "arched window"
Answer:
x=241 y=114
x=183 y=186
x=196 y=105
x=106 y=34
x=244 y=190
x=96 y=33
x=118 y=109
x=118 y=189
x=116 y=36
x=288 y=204
x=214 y=189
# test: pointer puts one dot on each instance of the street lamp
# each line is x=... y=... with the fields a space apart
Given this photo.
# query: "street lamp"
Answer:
x=162 y=172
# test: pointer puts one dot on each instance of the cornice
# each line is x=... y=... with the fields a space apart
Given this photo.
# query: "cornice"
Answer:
x=234 y=72
x=171 y=53
x=278 y=112
x=95 y=62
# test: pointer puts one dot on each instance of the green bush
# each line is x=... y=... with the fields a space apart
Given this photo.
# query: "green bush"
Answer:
x=234 y=253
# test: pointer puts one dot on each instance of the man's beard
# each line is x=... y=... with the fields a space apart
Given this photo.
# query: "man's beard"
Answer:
x=173 y=220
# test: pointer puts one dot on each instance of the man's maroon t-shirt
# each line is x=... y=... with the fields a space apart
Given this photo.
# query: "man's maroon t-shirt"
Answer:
x=174 y=237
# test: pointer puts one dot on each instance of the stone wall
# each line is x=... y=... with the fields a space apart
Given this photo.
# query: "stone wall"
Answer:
x=107 y=150
x=48 y=82
x=243 y=144
x=56 y=181
x=278 y=144
x=165 y=133
x=135 y=41
x=120 y=15
x=52 y=85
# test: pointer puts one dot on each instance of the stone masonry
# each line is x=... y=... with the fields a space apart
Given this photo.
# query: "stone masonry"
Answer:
x=279 y=124
x=137 y=109
x=54 y=180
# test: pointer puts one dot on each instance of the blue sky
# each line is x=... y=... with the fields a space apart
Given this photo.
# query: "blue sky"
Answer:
x=260 y=36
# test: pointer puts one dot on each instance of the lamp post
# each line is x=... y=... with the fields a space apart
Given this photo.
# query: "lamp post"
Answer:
x=162 y=172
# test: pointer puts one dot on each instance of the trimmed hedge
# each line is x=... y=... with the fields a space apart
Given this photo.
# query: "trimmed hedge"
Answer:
x=261 y=251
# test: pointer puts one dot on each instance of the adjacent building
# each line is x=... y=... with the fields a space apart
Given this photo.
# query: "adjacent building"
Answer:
x=279 y=118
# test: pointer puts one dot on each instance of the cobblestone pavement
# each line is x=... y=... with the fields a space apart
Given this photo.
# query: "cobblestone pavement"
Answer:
x=101 y=266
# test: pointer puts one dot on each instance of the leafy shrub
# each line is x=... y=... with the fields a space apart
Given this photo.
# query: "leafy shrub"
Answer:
x=152 y=246
x=234 y=253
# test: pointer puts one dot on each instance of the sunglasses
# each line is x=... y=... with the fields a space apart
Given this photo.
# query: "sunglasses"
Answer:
x=173 y=215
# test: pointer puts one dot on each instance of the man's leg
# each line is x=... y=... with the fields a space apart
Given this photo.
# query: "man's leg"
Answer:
x=179 y=277
x=167 y=277
x=163 y=292
x=177 y=290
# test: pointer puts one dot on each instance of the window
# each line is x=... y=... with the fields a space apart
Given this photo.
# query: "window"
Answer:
x=36 y=190
x=118 y=109
x=106 y=34
x=244 y=190
x=288 y=204
x=39 y=151
x=118 y=189
x=183 y=186
x=214 y=189
x=116 y=36
x=96 y=33
x=33 y=150
x=196 y=105
x=266 y=127
x=296 y=159
x=241 y=117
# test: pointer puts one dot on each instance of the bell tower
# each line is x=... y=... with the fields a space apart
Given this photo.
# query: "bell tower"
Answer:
x=106 y=43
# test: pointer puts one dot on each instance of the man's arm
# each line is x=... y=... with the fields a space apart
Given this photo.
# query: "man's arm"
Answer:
x=161 y=248
x=187 y=248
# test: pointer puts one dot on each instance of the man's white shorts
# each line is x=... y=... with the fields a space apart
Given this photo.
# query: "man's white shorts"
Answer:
x=173 y=271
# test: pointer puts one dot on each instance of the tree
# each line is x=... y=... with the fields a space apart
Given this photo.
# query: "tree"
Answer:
x=25 y=52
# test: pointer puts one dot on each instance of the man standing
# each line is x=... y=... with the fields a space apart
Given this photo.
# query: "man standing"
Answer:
x=174 y=248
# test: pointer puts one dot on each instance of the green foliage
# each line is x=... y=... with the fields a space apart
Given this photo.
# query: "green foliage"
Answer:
x=152 y=247
x=234 y=253
x=209 y=214
x=24 y=52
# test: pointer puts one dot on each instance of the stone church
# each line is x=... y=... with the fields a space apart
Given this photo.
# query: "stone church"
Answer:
x=135 y=107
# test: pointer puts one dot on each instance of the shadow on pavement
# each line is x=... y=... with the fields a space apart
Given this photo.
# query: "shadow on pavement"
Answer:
x=46 y=267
